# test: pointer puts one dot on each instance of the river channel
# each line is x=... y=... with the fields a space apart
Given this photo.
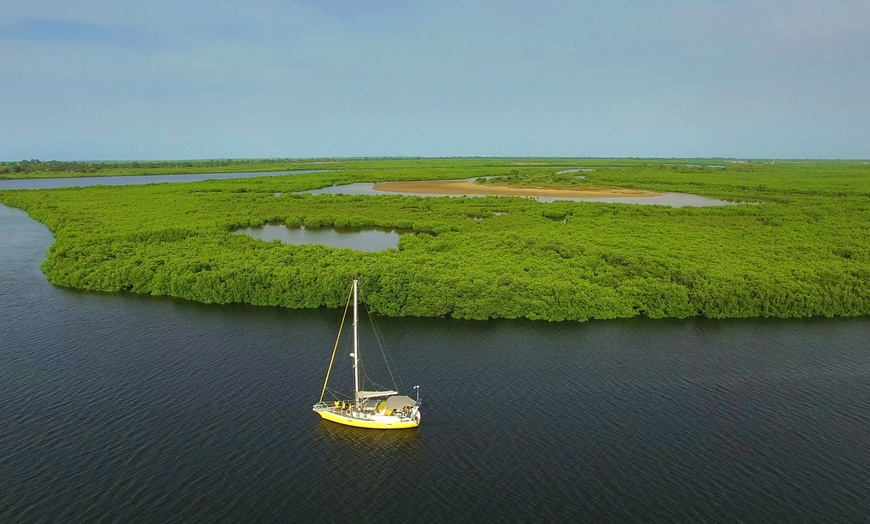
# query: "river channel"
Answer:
x=126 y=408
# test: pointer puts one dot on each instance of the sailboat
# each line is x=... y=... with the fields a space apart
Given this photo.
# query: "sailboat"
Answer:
x=367 y=409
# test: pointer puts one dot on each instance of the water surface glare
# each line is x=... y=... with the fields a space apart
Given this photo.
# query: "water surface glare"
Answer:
x=126 y=408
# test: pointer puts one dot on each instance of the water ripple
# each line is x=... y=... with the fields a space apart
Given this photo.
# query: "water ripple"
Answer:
x=119 y=408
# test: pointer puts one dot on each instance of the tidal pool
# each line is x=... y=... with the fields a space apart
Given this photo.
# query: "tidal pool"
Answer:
x=359 y=239
x=664 y=199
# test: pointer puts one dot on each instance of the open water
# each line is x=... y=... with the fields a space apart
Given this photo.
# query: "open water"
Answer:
x=124 y=408
x=126 y=180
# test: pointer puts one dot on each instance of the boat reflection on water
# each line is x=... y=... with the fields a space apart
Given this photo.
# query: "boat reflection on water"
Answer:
x=359 y=439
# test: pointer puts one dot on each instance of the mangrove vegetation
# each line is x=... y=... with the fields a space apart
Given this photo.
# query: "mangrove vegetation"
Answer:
x=796 y=242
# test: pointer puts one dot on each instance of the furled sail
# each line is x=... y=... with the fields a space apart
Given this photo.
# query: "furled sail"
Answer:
x=371 y=394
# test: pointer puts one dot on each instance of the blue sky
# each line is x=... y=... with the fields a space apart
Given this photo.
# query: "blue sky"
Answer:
x=101 y=80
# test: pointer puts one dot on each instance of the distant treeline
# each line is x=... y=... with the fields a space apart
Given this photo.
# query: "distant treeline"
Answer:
x=35 y=168
x=798 y=245
x=55 y=168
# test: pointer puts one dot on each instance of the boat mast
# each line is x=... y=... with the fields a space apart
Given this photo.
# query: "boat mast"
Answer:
x=355 y=345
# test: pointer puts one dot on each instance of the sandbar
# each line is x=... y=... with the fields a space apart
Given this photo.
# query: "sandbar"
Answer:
x=465 y=187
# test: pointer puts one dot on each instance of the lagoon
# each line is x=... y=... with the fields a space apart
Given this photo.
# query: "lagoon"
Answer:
x=664 y=199
x=360 y=239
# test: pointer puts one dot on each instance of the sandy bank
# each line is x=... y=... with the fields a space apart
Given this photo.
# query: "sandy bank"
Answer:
x=464 y=187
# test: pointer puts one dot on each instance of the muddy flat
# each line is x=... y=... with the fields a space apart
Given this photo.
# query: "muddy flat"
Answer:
x=464 y=187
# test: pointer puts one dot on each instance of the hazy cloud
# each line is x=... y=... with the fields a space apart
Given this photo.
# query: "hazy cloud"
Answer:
x=45 y=30
x=327 y=77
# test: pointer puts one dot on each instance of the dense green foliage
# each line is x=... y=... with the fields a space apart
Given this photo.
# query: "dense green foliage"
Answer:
x=799 y=245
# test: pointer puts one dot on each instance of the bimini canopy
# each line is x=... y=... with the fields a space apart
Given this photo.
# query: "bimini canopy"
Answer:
x=372 y=394
x=399 y=402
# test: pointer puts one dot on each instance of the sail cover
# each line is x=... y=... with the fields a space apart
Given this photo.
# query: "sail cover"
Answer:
x=370 y=394
x=399 y=401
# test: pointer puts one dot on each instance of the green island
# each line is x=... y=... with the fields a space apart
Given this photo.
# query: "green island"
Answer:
x=796 y=242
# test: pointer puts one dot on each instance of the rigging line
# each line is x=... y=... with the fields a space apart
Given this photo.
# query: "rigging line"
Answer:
x=344 y=364
x=380 y=343
x=367 y=383
x=364 y=379
x=337 y=395
x=335 y=349
x=398 y=384
x=387 y=357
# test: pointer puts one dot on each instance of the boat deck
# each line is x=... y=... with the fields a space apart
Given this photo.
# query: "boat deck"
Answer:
x=368 y=419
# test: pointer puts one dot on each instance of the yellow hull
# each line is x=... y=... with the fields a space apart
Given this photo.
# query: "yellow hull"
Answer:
x=368 y=424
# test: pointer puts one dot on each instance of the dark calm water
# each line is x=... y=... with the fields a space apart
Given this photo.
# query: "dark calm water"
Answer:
x=120 y=408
